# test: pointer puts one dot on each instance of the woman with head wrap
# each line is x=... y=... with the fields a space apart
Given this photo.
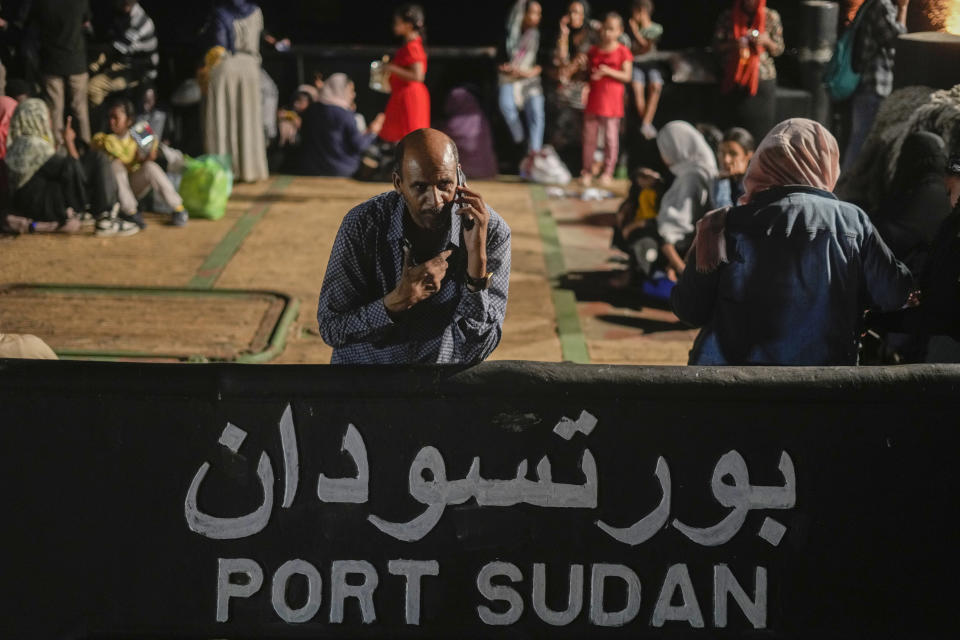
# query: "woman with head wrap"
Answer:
x=233 y=120
x=330 y=142
x=690 y=159
x=468 y=127
x=934 y=321
x=909 y=220
x=519 y=78
x=785 y=277
x=46 y=187
x=571 y=74
x=747 y=37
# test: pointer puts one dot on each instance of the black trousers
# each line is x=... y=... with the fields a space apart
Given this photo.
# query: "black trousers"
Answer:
x=756 y=114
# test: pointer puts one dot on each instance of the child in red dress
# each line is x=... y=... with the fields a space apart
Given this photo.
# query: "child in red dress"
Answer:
x=611 y=68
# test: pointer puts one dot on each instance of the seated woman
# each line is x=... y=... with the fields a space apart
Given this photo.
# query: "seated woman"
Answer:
x=785 y=278
x=736 y=149
x=330 y=142
x=136 y=172
x=661 y=246
x=910 y=219
x=48 y=189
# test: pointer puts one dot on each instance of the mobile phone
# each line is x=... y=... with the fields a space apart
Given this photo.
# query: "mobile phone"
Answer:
x=462 y=182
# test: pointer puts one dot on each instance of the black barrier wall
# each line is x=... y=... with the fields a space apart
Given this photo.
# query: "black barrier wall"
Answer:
x=503 y=501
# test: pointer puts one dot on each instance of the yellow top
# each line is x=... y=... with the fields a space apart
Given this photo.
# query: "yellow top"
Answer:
x=123 y=148
x=647 y=205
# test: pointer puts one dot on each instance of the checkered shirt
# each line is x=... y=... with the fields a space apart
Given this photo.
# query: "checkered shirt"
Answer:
x=877 y=42
x=455 y=325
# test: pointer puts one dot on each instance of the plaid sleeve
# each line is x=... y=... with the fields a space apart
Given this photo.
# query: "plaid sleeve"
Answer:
x=347 y=311
x=884 y=26
x=479 y=316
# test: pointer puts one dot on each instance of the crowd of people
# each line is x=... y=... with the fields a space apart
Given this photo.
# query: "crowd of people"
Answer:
x=736 y=226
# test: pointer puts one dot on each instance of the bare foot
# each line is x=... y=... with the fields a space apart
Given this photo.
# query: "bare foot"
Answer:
x=606 y=181
x=16 y=224
x=586 y=180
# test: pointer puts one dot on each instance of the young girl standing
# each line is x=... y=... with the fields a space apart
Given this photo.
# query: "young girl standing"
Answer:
x=409 y=106
x=611 y=68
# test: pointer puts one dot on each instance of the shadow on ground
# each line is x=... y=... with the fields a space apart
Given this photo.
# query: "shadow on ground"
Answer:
x=647 y=325
x=599 y=286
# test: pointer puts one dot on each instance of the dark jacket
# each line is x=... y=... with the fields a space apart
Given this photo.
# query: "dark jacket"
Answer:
x=63 y=49
x=918 y=202
x=331 y=144
x=803 y=267
x=939 y=309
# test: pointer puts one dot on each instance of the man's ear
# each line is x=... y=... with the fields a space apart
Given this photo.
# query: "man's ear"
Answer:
x=397 y=181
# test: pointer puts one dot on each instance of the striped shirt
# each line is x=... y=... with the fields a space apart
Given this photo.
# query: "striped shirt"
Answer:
x=455 y=325
x=137 y=40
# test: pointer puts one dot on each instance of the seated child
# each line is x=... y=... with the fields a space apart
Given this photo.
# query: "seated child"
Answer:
x=136 y=172
x=734 y=156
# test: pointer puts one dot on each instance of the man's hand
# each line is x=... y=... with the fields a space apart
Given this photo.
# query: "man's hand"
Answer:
x=473 y=211
x=417 y=283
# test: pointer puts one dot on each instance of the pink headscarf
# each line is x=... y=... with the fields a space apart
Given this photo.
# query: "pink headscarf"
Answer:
x=795 y=152
x=7 y=106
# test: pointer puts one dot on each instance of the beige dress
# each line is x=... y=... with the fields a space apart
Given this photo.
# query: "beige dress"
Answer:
x=233 y=120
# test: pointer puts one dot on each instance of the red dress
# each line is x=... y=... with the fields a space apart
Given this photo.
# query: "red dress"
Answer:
x=606 y=94
x=409 y=106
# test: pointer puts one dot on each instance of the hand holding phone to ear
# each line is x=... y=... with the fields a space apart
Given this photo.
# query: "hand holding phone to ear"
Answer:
x=474 y=218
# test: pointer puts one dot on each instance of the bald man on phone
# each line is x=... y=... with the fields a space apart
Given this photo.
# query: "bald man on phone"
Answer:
x=419 y=274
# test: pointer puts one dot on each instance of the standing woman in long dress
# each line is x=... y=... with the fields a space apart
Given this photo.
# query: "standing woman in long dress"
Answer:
x=233 y=112
x=409 y=106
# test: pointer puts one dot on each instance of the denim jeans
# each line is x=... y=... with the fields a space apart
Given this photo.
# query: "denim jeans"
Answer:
x=864 y=107
x=533 y=112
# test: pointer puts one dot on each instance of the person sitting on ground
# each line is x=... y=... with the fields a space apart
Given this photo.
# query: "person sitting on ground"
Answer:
x=135 y=169
x=690 y=159
x=910 y=219
x=785 y=278
x=419 y=274
x=736 y=149
x=519 y=78
x=289 y=121
x=637 y=214
x=935 y=318
x=48 y=188
x=611 y=66
x=647 y=83
x=331 y=143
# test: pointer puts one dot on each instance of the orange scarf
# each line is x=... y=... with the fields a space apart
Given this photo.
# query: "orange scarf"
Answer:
x=744 y=71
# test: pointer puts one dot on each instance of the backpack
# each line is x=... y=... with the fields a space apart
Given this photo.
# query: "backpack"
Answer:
x=841 y=78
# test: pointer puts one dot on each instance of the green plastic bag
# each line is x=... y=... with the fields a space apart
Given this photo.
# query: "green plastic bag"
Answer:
x=206 y=186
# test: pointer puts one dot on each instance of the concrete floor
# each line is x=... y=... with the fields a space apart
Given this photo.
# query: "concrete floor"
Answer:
x=277 y=235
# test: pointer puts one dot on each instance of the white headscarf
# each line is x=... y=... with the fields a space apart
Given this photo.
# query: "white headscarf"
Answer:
x=690 y=159
x=31 y=141
x=334 y=91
